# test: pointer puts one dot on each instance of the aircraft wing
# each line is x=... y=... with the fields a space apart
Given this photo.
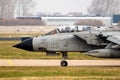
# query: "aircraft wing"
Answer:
x=78 y=37
x=111 y=36
x=114 y=38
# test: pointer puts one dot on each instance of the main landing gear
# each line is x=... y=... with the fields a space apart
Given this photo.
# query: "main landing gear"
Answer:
x=64 y=63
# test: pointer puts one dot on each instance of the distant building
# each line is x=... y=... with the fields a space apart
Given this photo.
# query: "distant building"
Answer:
x=29 y=17
x=66 y=21
x=22 y=21
x=31 y=20
x=116 y=19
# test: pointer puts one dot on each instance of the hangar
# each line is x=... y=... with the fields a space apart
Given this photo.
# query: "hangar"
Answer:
x=66 y=21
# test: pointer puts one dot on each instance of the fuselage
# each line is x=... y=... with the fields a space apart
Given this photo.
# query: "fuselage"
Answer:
x=62 y=42
x=93 y=42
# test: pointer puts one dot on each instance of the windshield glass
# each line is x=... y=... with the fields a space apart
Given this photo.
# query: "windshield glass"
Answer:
x=68 y=29
x=52 y=32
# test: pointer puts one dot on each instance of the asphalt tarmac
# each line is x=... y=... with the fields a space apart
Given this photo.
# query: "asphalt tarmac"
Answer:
x=36 y=62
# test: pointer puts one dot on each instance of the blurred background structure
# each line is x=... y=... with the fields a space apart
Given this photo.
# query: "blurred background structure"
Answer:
x=77 y=12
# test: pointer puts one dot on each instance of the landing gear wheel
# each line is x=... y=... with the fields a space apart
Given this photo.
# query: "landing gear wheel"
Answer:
x=64 y=63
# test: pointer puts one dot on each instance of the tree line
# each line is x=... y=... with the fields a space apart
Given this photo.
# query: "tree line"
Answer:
x=101 y=8
x=11 y=8
x=104 y=7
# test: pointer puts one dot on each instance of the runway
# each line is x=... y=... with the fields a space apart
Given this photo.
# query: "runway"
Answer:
x=36 y=62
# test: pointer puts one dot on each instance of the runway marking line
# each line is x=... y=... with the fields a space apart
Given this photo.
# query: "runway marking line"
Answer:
x=9 y=62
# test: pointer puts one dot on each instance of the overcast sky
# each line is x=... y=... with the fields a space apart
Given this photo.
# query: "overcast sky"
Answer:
x=62 y=6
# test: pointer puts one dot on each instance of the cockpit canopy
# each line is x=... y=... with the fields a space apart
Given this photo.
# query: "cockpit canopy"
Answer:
x=63 y=29
x=70 y=29
x=52 y=32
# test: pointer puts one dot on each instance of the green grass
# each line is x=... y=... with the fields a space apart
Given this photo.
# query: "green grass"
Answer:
x=60 y=71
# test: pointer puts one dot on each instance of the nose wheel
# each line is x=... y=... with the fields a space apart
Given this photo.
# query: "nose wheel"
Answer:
x=64 y=63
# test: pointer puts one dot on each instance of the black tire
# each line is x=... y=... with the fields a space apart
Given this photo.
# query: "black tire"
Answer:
x=64 y=63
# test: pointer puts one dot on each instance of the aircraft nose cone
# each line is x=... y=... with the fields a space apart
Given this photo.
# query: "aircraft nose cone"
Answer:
x=25 y=45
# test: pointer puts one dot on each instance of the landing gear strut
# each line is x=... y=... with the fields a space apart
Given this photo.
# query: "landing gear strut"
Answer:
x=64 y=63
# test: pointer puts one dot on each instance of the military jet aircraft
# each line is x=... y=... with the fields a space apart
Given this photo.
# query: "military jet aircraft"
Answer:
x=94 y=43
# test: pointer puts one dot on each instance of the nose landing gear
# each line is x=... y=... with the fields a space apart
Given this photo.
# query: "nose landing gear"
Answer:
x=64 y=63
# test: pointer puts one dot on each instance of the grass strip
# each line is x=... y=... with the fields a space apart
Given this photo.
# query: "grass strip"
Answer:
x=6 y=72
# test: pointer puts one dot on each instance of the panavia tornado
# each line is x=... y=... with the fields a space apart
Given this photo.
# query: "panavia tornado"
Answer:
x=97 y=43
